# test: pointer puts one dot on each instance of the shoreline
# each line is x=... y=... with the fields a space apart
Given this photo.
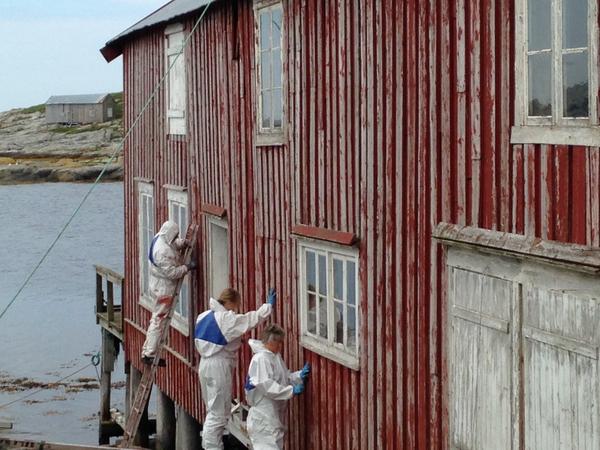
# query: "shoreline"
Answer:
x=25 y=174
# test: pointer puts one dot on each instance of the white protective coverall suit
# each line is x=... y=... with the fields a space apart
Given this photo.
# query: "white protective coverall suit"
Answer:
x=218 y=336
x=268 y=388
x=166 y=269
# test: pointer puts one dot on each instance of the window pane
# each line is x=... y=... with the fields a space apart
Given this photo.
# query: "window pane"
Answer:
x=540 y=87
x=183 y=300
x=338 y=279
x=277 y=108
x=351 y=344
x=322 y=275
x=265 y=30
x=265 y=70
x=277 y=27
x=323 y=318
x=311 y=273
x=312 y=314
x=539 y=24
x=339 y=322
x=266 y=109
x=575 y=79
x=183 y=224
x=351 y=283
x=277 y=68
x=575 y=25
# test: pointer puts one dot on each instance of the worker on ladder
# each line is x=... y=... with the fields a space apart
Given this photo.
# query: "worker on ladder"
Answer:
x=166 y=268
x=218 y=336
x=269 y=386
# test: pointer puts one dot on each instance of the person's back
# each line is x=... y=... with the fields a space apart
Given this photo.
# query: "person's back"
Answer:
x=166 y=268
x=166 y=265
x=217 y=337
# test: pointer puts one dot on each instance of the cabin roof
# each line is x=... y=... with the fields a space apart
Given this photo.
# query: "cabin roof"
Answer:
x=85 y=99
x=166 y=13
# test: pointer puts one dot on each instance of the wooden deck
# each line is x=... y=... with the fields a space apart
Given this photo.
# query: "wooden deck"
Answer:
x=14 y=444
x=114 y=326
x=109 y=313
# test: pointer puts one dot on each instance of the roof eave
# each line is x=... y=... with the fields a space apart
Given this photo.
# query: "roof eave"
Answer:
x=114 y=48
x=111 y=52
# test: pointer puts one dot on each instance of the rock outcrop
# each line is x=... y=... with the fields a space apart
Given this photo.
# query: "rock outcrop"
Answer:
x=32 y=151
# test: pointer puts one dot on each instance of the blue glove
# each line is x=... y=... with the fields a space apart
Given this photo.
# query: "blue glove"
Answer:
x=248 y=384
x=305 y=371
x=272 y=298
x=298 y=389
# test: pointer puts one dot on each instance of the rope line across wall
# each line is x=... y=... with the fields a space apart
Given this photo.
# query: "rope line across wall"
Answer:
x=110 y=161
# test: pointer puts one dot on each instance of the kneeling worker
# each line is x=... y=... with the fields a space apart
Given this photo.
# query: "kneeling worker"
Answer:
x=218 y=338
x=166 y=268
x=269 y=386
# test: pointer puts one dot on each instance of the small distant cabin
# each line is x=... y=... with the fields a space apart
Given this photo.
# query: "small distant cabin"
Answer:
x=89 y=108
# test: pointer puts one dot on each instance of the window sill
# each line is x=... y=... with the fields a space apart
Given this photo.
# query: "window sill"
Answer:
x=270 y=139
x=335 y=354
x=588 y=136
x=180 y=324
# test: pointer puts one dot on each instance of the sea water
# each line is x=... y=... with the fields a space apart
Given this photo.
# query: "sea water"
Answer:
x=50 y=331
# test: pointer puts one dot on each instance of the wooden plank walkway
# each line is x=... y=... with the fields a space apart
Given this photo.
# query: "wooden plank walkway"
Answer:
x=13 y=444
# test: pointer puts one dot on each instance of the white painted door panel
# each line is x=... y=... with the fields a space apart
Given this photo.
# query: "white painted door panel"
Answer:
x=481 y=362
x=523 y=350
x=561 y=370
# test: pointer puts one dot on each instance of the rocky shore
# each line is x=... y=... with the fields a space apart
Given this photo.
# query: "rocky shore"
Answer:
x=32 y=151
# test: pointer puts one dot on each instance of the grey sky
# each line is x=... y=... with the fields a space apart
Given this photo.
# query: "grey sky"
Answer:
x=50 y=47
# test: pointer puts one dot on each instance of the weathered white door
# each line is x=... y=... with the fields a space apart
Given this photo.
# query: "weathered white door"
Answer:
x=481 y=361
x=561 y=331
x=523 y=338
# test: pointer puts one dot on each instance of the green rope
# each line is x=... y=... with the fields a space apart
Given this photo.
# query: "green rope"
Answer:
x=111 y=159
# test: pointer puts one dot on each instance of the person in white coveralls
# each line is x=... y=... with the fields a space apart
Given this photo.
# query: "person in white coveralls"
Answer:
x=218 y=334
x=269 y=386
x=166 y=268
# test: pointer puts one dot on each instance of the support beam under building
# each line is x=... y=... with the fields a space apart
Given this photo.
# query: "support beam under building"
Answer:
x=188 y=431
x=110 y=349
x=165 y=422
x=142 y=437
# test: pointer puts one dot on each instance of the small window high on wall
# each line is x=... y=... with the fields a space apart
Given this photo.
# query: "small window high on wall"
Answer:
x=146 y=233
x=557 y=65
x=329 y=299
x=218 y=256
x=176 y=92
x=269 y=20
x=178 y=212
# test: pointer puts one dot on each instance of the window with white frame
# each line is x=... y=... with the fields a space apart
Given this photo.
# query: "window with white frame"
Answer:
x=178 y=213
x=270 y=67
x=557 y=64
x=218 y=256
x=176 y=92
x=146 y=233
x=329 y=302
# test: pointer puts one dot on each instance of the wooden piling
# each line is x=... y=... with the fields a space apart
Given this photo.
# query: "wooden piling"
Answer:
x=187 y=430
x=165 y=422
x=142 y=436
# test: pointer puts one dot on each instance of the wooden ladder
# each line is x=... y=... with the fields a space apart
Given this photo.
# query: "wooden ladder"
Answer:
x=142 y=394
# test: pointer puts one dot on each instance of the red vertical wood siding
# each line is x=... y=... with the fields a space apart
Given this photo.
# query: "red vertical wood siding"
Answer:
x=398 y=117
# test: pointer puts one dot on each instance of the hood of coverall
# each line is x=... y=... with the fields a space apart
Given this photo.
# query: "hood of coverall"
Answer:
x=215 y=305
x=169 y=231
x=257 y=346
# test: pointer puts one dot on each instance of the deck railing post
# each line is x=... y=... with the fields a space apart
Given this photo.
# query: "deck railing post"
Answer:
x=99 y=295
x=110 y=301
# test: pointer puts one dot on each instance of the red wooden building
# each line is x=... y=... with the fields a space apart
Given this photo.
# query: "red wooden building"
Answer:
x=320 y=144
